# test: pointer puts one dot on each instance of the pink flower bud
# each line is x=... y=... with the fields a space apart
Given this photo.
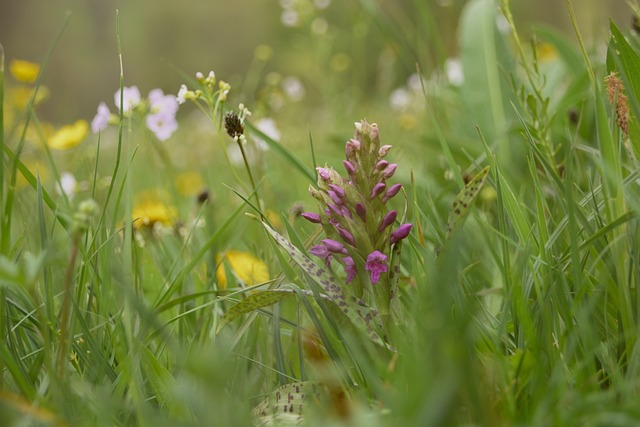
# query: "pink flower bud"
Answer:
x=311 y=217
x=390 y=170
x=334 y=246
x=351 y=170
x=377 y=190
x=324 y=174
x=382 y=165
x=345 y=212
x=361 y=211
x=336 y=199
x=338 y=190
x=347 y=236
x=352 y=147
x=388 y=219
x=392 y=191
x=335 y=209
x=400 y=233
x=384 y=150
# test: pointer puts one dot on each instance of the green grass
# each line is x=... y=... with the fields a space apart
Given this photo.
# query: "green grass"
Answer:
x=521 y=310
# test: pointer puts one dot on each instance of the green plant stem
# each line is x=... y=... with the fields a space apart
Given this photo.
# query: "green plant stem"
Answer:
x=65 y=311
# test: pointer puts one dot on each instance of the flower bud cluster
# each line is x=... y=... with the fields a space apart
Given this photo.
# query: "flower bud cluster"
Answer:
x=359 y=225
x=207 y=92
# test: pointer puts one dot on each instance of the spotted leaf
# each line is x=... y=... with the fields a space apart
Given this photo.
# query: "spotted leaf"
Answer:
x=463 y=201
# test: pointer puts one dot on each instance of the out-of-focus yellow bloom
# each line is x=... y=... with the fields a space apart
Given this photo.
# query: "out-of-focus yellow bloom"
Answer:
x=248 y=268
x=37 y=168
x=150 y=211
x=24 y=71
x=546 y=52
x=69 y=136
x=18 y=97
x=189 y=183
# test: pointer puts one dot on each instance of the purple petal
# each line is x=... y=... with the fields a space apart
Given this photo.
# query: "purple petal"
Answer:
x=334 y=246
x=351 y=170
x=390 y=170
x=311 y=217
x=392 y=191
x=347 y=236
x=388 y=219
x=350 y=268
x=400 y=233
x=377 y=190
x=338 y=190
x=382 y=165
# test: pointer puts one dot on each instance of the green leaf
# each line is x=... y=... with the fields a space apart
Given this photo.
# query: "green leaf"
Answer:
x=485 y=60
x=464 y=200
x=253 y=302
x=355 y=309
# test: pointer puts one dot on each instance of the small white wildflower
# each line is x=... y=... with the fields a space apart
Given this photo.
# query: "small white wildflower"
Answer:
x=67 y=185
x=182 y=94
x=293 y=88
x=400 y=99
x=200 y=77
x=290 y=18
x=455 y=73
x=268 y=127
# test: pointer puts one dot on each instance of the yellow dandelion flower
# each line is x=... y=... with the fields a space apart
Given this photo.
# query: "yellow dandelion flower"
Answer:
x=24 y=71
x=69 y=136
x=245 y=266
x=189 y=183
x=150 y=211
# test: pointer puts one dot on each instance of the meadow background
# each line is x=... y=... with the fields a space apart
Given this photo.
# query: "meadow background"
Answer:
x=138 y=285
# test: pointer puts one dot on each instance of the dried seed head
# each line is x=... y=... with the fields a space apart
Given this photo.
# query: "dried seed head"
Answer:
x=617 y=98
x=233 y=124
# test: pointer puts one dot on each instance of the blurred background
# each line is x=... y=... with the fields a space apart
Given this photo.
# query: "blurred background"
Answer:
x=308 y=47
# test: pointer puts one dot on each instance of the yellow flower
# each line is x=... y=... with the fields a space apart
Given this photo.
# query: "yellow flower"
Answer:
x=69 y=136
x=189 y=183
x=546 y=52
x=246 y=267
x=24 y=71
x=18 y=97
x=150 y=211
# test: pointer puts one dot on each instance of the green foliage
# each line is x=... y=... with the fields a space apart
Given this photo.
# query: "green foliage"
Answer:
x=527 y=317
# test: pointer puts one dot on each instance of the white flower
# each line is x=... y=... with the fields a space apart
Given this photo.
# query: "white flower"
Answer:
x=290 y=18
x=101 y=120
x=67 y=185
x=268 y=127
x=182 y=94
x=293 y=88
x=400 y=99
x=454 y=71
x=130 y=98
